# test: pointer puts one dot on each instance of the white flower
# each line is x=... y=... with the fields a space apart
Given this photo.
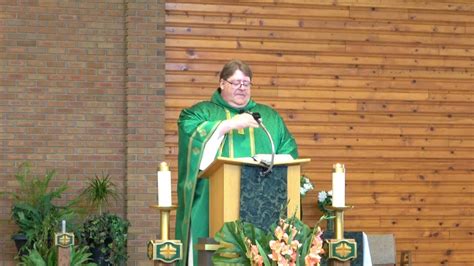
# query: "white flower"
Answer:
x=330 y=193
x=322 y=196
x=305 y=186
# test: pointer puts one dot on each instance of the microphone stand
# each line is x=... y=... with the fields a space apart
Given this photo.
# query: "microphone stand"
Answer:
x=258 y=118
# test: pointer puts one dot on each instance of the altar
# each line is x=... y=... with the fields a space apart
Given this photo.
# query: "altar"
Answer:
x=246 y=214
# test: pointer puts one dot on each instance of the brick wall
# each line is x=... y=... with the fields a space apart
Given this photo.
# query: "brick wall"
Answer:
x=145 y=119
x=81 y=91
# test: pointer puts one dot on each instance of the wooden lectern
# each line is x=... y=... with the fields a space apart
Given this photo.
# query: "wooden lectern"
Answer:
x=224 y=189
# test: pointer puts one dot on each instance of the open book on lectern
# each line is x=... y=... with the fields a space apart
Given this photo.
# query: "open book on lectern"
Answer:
x=280 y=159
x=266 y=159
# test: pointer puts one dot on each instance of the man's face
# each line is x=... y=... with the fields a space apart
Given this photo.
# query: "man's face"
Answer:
x=236 y=89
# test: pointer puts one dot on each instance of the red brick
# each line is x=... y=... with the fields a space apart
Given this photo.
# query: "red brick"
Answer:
x=67 y=68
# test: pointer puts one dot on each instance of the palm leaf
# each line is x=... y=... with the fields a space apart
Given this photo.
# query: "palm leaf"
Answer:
x=263 y=253
x=33 y=258
x=233 y=236
x=81 y=256
x=233 y=244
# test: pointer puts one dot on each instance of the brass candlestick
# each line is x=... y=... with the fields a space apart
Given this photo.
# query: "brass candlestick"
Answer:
x=339 y=226
x=164 y=249
x=164 y=219
x=341 y=250
x=64 y=241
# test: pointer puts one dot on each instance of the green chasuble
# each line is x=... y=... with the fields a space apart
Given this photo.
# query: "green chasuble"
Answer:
x=196 y=125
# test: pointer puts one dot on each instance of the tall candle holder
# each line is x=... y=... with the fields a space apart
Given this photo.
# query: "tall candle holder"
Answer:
x=165 y=250
x=341 y=250
x=64 y=241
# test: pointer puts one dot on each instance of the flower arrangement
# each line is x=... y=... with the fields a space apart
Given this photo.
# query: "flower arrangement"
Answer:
x=288 y=242
x=305 y=185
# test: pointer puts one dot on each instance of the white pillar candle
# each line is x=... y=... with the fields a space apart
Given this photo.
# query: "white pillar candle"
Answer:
x=164 y=185
x=338 y=186
x=63 y=226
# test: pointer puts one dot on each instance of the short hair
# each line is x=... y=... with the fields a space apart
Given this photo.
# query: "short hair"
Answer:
x=234 y=65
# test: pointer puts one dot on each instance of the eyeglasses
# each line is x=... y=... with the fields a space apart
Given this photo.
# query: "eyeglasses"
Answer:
x=236 y=84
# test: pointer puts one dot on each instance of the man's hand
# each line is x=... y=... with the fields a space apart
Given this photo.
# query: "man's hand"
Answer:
x=239 y=121
x=244 y=120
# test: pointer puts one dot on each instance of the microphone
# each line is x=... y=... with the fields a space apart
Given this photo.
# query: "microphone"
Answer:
x=255 y=115
x=258 y=118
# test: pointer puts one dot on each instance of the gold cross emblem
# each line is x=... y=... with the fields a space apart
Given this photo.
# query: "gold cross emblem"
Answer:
x=168 y=251
x=343 y=250
x=64 y=240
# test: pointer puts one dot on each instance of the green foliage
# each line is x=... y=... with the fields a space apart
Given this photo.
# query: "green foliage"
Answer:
x=235 y=250
x=33 y=258
x=305 y=236
x=325 y=200
x=232 y=236
x=33 y=209
x=35 y=189
x=266 y=261
x=99 y=190
x=79 y=256
x=40 y=223
x=107 y=232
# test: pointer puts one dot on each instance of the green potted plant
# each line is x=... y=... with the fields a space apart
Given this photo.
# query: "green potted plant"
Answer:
x=34 y=211
x=79 y=256
x=105 y=233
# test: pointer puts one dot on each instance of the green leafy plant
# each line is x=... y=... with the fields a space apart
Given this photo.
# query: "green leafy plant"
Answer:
x=233 y=236
x=99 y=191
x=288 y=242
x=33 y=209
x=324 y=201
x=34 y=189
x=79 y=256
x=39 y=223
x=105 y=233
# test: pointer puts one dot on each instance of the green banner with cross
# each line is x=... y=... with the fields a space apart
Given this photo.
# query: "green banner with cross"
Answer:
x=165 y=251
x=342 y=250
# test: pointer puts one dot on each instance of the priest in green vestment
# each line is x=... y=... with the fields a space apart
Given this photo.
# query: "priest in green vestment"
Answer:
x=220 y=127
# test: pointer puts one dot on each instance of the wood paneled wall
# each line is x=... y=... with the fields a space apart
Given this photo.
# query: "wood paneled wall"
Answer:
x=383 y=86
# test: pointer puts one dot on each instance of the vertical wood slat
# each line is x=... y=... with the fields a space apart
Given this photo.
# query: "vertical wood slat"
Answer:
x=382 y=86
